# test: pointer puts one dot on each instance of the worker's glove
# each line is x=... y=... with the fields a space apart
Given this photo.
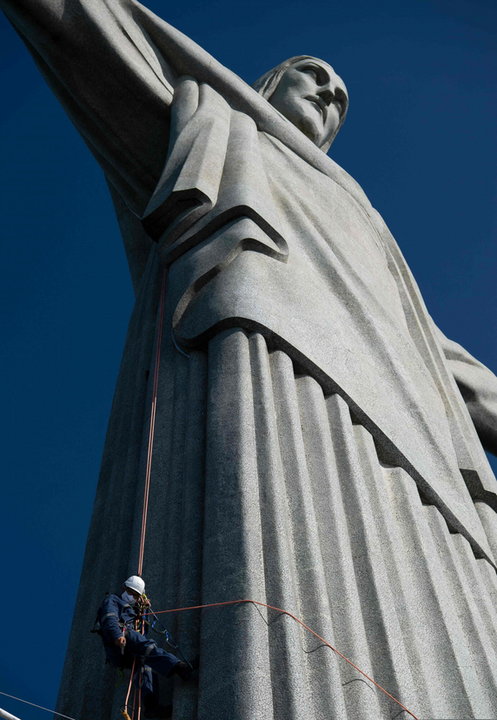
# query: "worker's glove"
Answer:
x=120 y=641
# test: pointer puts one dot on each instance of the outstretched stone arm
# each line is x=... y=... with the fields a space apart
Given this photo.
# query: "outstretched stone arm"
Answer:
x=114 y=85
x=478 y=386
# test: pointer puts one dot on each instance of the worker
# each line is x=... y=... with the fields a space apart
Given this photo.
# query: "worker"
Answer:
x=119 y=623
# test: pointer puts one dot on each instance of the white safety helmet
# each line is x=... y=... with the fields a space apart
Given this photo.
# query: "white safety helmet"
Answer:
x=135 y=583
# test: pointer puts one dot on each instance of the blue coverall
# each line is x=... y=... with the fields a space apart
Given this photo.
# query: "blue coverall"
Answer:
x=115 y=614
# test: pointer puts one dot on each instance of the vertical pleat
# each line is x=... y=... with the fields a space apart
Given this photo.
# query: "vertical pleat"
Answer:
x=453 y=681
x=234 y=677
x=344 y=625
x=165 y=520
x=488 y=518
x=190 y=538
x=489 y=580
x=471 y=605
x=414 y=680
x=291 y=694
x=314 y=606
x=386 y=658
x=263 y=488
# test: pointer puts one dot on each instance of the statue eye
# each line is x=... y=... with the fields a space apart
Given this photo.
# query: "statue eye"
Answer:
x=310 y=70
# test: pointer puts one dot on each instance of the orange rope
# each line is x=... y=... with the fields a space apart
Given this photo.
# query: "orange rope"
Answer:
x=142 y=630
x=139 y=698
x=300 y=622
x=151 y=431
x=126 y=702
x=148 y=475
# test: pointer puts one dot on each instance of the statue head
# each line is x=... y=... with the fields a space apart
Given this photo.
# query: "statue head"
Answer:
x=309 y=93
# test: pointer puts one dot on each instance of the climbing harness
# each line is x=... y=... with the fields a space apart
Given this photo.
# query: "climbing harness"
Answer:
x=162 y=630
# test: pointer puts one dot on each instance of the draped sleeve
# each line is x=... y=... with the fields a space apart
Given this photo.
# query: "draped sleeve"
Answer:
x=478 y=386
x=113 y=83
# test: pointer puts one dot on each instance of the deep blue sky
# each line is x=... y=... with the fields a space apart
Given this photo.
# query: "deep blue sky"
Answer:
x=421 y=138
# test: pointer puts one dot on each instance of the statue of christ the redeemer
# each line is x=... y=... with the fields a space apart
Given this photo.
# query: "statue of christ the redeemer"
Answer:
x=317 y=442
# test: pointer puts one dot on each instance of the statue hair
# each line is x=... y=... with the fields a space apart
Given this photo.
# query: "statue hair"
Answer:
x=267 y=84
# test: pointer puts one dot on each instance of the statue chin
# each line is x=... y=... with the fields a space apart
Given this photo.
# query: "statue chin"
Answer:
x=309 y=129
x=300 y=119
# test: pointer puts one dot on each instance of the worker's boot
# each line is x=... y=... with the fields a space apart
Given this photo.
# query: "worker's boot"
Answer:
x=183 y=670
x=155 y=710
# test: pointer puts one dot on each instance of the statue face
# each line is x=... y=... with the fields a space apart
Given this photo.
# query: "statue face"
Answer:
x=313 y=97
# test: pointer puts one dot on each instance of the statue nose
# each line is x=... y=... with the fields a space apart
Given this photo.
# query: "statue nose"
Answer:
x=326 y=96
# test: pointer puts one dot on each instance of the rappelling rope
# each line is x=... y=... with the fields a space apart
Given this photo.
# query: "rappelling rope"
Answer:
x=124 y=711
x=306 y=627
x=151 y=431
x=148 y=475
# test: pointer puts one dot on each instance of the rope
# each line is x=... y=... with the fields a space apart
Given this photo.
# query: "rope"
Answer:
x=40 y=707
x=151 y=431
x=142 y=630
x=139 y=697
x=126 y=702
x=148 y=475
x=300 y=622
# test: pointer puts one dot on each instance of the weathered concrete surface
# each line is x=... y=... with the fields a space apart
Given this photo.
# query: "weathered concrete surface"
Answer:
x=309 y=435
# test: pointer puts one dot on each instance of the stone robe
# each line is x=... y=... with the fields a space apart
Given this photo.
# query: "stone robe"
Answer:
x=312 y=449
